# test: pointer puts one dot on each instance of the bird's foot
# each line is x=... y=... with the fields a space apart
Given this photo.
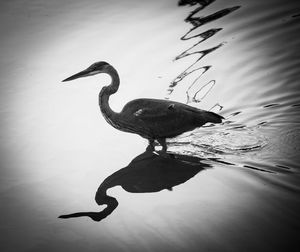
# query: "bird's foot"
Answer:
x=150 y=148
x=162 y=142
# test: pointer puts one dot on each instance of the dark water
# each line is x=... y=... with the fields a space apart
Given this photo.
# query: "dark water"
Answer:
x=227 y=187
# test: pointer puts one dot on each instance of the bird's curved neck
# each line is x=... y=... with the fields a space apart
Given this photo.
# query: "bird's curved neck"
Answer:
x=106 y=92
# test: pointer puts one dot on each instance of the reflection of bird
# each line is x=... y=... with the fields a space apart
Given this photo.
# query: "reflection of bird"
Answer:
x=152 y=119
x=147 y=173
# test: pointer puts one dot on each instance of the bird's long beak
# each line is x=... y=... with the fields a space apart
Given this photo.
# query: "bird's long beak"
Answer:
x=83 y=73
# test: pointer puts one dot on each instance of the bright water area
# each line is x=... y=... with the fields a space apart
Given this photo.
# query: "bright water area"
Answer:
x=227 y=187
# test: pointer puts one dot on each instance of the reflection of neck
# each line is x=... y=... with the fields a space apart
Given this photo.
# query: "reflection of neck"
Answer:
x=103 y=199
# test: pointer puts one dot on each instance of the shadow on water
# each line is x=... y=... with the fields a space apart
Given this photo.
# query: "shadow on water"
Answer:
x=197 y=91
x=147 y=173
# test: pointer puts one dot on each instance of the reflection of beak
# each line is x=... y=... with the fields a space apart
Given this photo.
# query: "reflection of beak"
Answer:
x=83 y=73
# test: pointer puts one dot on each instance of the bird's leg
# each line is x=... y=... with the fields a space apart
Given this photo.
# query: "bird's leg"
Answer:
x=151 y=145
x=162 y=142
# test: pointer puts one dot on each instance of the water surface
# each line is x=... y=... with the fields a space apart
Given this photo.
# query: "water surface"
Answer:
x=227 y=187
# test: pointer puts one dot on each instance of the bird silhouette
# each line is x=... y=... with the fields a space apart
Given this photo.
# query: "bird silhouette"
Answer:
x=153 y=119
x=146 y=173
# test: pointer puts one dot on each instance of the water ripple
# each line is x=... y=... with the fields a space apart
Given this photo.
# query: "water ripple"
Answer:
x=221 y=140
x=201 y=36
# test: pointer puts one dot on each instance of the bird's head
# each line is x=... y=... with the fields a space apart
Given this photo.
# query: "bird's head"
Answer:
x=96 y=68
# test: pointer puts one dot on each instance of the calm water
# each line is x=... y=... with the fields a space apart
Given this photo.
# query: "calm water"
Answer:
x=227 y=187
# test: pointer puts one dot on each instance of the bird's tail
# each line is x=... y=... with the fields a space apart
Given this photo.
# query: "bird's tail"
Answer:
x=213 y=117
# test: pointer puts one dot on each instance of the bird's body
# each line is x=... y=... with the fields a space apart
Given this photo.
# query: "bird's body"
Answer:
x=153 y=119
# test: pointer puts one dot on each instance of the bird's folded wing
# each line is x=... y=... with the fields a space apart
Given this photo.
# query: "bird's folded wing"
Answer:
x=150 y=113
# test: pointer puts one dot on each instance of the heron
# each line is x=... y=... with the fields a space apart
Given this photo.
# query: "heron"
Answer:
x=153 y=119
